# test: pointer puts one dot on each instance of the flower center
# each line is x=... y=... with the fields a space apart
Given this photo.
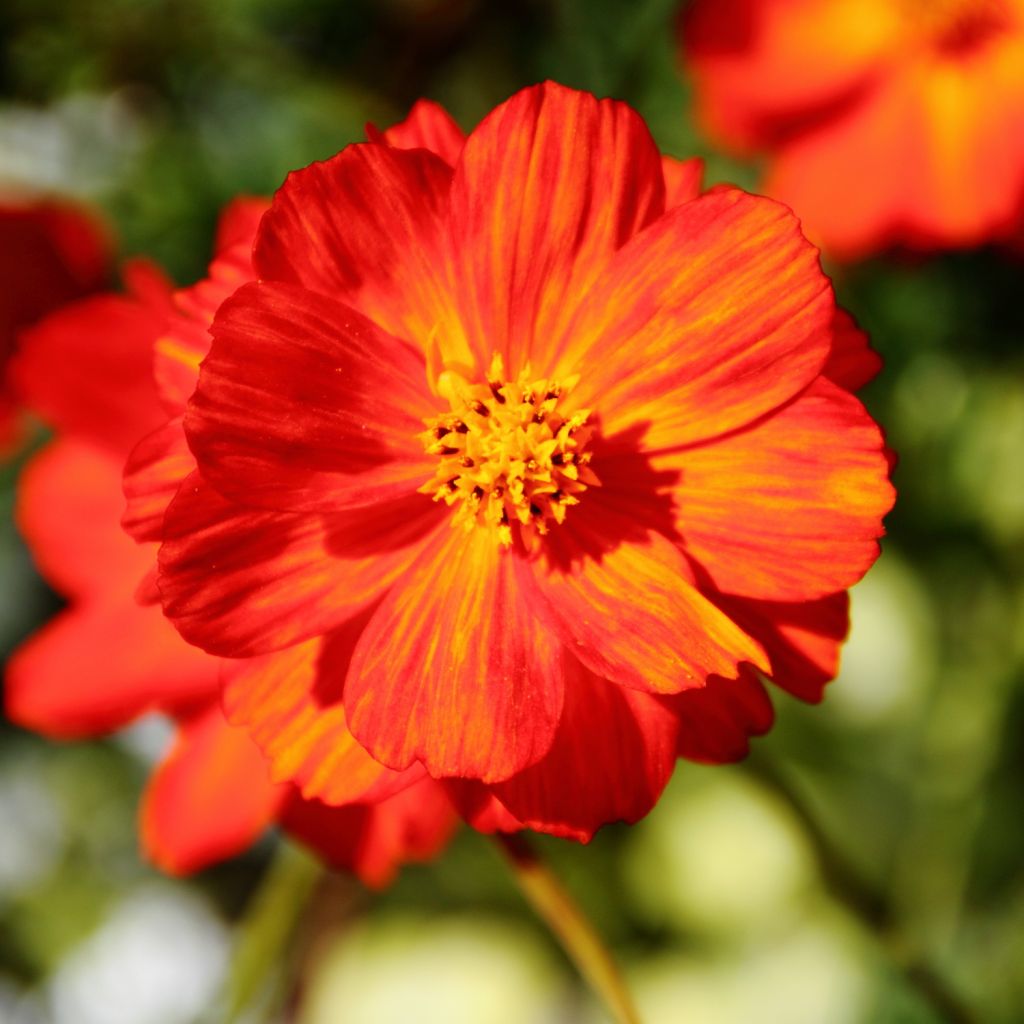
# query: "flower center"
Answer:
x=957 y=25
x=507 y=455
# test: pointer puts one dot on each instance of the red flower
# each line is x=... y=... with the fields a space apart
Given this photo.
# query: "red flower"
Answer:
x=884 y=123
x=50 y=254
x=519 y=474
x=111 y=655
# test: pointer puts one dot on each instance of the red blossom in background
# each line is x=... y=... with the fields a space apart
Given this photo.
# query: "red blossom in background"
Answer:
x=111 y=655
x=515 y=468
x=50 y=253
x=883 y=123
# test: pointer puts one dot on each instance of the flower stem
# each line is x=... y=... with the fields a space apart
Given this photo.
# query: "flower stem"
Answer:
x=573 y=929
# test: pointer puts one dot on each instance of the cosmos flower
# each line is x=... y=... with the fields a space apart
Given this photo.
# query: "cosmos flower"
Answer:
x=111 y=656
x=50 y=253
x=513 y=472
x=884 y=122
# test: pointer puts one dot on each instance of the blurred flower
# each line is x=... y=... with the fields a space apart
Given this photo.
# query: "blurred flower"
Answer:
x=111 y=656
x=885 y=122
x=513 y=473
x=50 y=253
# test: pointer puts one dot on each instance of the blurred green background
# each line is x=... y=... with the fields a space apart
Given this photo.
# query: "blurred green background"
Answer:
x=864 y=865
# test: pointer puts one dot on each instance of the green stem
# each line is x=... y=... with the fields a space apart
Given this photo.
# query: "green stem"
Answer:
x=271 y=921
x=573 y=929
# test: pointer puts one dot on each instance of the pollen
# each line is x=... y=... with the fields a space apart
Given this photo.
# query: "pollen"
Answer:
x=508 y=458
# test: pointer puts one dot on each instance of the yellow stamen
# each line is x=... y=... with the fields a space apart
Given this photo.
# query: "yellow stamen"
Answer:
x=508 y=457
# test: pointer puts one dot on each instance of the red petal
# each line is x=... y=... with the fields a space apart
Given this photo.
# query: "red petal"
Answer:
x=50 y=254
x=291 y=703
x=209 y=799
x=629 y=610
x=87 y=370
x=480 y=808
x=612 y=755
x=68 y=510
x=186 y=340
x=852 y=362
x=790 y=509
x=241 y=581
x=305 y=404
x=549 y=185
x=714 y=316
x=154 y=472
x=716 y=722
x=803 y=640
x=683 y=180
x=363 y=227
x=428 y=126
x=95 y=667
x=453 y=669
x=374 y=840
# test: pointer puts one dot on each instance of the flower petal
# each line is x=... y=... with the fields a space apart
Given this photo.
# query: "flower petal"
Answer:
x=303 y=403
x=852 y=362
x=209 y=799
x=716 y=722
x=683 y=180
x=154 y=472
x=631 y=612
x=428 y=126
x=374 y=840
x=453 y=669
x=95 y=667
x=68 y=506
x=716 y=314
x=86 y=370
x=239 y=581
x=290 y=702
x=549 y=185
x=363 y=227
x=791 y=508
x=480 y=808
x=803 y=640
x=612 y=755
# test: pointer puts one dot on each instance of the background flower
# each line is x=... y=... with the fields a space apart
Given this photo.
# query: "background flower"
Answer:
x=883 y=123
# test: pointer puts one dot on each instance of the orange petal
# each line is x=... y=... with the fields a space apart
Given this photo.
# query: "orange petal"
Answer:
x=629 y=609
x=374 y=840
x=791 y=508
x=683 y=180
x=428 y=126
x=764 y=68
x=453 y=669
x=716 y=722
x=209 y=799
x=154 y=472
x=549 y=185
x=241 y=581
x=612 y=755
x=290 y=702
x=716 y=314
x=305 y=404
x=363 y=227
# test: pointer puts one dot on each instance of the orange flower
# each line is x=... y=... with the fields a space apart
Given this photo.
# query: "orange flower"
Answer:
x=515 y=473
x=885 y=122
x=111 y=655
x=50 y=253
